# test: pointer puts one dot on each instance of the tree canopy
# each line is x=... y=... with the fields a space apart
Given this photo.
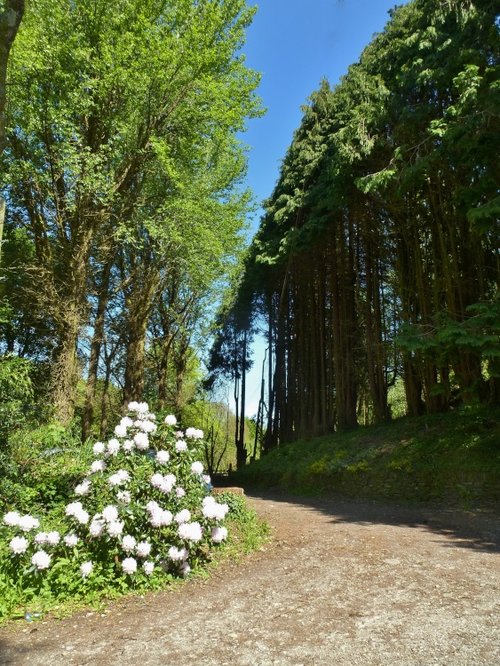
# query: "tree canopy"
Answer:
x=123 y=173
x=376 y=259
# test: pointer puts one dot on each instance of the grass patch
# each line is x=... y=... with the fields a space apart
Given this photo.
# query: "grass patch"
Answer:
x=452 y=458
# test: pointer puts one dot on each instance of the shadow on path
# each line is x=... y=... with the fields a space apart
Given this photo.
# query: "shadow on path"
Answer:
x=478 y=530
x=12 y=654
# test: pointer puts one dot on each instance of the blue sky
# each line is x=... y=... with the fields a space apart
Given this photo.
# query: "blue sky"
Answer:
x=295 y=44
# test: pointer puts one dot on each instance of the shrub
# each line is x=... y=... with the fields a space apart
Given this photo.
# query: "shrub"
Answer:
x=142 y=512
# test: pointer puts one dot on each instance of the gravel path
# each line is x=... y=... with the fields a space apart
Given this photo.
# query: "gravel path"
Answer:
x=342 y=583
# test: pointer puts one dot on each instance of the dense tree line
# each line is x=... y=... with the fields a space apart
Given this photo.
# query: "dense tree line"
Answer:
x=376 y=261
x=122 y=174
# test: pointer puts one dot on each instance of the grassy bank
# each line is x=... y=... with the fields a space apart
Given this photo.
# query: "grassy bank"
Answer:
x=452 y=458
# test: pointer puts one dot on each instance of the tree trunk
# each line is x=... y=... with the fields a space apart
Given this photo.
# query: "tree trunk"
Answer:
x=95 y=351
x=138 y=304
x=241 y=452
x=2 y=218
x=65 y=370
x=10 y=20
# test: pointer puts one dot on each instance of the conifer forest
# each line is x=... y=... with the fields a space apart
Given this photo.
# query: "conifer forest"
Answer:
x=376 y=262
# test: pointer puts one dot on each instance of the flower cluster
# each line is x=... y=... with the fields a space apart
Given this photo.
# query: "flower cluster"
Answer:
x=142 y=507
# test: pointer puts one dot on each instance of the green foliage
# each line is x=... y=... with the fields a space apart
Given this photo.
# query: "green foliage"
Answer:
x=128 y=489
x=396 y=399
x=16 y=396
x=448 y=339
x=122 y=151
x=218 y=424
x=41 y=467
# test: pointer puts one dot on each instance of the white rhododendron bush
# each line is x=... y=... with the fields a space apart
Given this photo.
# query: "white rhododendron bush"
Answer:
x=142 y=511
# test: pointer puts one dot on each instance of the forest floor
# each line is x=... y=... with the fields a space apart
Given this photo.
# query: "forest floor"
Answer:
x=341 y=583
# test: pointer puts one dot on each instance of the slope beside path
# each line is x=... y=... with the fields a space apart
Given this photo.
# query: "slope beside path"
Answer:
x=342 y=583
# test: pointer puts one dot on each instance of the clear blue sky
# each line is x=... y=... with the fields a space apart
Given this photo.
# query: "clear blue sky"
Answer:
x=295 y=44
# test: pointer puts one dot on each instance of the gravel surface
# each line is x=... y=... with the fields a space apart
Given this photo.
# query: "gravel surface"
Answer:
x=341 y=583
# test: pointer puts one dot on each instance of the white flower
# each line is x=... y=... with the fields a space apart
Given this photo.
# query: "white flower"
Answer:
x=96 y=527
x=156 y=519
x=53 y=538
x=152 y=506
x=214 y=510
x=110 y=513
x=126 y=421
x=128 y=543
x=121 y=430
x=219 y=534
x=83 y=487
x=124 y=496
x=166 y=517
x=161 y=517
x=185 y=569
x=113 y=447
x=180 y=445
x=190 y=531
x=128 y=445
x=162 y=457
x=170 y=420
x=86 y=569
x=143 y=408
x=129 y=565
x=99 y=448
x=41 y=560
x=148 y=568
x=82 y=517
x=183 y=516
x=41 y=538
x=11 y=518
x=28 y=523
x=18 y=545
x=73 y=508
x=197 y=467
x=206 y=478
x=180 y=492
x=143 y=548
x=115 y=528
x=148 y=426
x=71 y=540
x=179 y=434
x=194 y=433
x=133 y=406
x=167 y=483
x=156 y=480
x=178 y=554
x=97 y=466
x=122 y=476
x=141 y=441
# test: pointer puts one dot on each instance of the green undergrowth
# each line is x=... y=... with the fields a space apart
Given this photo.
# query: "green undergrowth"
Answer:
x=247 y=532
x=452 y=458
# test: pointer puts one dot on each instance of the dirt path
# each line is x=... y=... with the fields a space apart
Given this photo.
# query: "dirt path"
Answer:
x=341 y=584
